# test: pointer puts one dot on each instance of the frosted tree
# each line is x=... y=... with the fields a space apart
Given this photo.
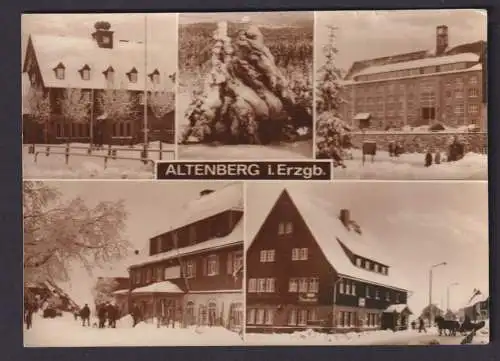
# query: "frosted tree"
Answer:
x=161 y=102
x=117 y=104
x=103 y=290
x=60 y=233
x=75 y=105
x=38 y=104
x=330 y=128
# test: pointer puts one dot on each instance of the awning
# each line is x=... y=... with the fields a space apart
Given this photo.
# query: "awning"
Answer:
x=159 y=287
x=121 y=292
x=362 y=116
x=399 y=308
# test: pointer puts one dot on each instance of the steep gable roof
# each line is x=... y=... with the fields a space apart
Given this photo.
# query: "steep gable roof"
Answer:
x=327 y=230
x=75 y=52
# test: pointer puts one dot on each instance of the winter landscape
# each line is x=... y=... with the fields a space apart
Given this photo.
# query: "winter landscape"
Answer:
x=245 y=85
x=367 y=263
x=107 y=265
x=98 y=94
x=413 y=105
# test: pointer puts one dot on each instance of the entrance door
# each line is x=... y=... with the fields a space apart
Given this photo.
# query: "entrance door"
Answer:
x=427 y=102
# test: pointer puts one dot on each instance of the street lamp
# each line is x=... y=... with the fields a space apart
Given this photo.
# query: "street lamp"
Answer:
x=448 y=294
x=431 y=316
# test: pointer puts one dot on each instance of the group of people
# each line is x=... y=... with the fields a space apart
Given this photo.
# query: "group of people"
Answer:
x=105 y=312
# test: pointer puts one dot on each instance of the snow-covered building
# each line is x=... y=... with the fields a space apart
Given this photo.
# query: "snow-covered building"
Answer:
x=477 y=307
x=445 y=85
x=193 y=272
x=307 y=268
x=93 y=65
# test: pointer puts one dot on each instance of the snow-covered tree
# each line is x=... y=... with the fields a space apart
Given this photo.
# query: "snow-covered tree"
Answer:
x=61 y=233
x=38 y=104
x=75 y=105
x=103 y=290
x=117 y=104
x=330 y=128
x=161 y=102
x=426 y=312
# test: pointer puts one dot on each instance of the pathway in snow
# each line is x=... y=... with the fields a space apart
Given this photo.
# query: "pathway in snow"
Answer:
x=66 y=332
x=411 y=167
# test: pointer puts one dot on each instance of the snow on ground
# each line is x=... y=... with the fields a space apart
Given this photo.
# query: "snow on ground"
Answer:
x=54 y=165
x=410 y=166
x=66 y=332
x=292 y=151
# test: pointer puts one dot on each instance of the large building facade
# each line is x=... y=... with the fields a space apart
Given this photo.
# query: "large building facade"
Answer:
x=446 y=85
x=193 y=273
x=308 y=269
x=109 y=75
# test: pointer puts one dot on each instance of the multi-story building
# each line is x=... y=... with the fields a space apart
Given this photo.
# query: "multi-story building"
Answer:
x=193 y=272
x=308 y=268
x=54 y=65
x=447 y=86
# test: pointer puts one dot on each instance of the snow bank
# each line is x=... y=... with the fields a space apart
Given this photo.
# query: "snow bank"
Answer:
x=66 y=332
x=483 y=335
x=411 y=167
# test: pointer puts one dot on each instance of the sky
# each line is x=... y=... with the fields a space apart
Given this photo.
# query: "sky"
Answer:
x=161 y=28
x=149 y=204
x=369 y=34
x=415 y=224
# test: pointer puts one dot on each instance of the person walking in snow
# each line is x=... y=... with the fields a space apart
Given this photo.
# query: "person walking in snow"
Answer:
x=101 y=315
x=428 y=158
x=112 y=315
x=28 y=314
x=136 y=314
x=437 y=157
x=85 y=315
x=421 y=325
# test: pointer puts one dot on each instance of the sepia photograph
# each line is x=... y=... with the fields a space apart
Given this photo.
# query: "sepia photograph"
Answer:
x=402 y=94
x=98 y=94
x=245 y=86
x=357 y=263
x=106 y=265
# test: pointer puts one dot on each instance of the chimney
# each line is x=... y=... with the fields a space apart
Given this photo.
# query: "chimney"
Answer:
x=441 y=39
x=102 y=35
x=205 y=192
x=345 y=217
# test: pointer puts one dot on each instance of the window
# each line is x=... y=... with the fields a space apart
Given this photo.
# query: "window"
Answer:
x=190 y=313
x=473 y=80
x=288 y=228
x=281 y=228
x=192 y=234
x=137 y=277
x=367 y=292
x=459 y=82
x=60 y=73
x=353 y=289
x=473 y=93
x=252 y=285
x=132 y=75
x=314 y=285
x=250 y=316
x=261 y=285
x=347 y=288
x=106 y=39
x=110 y=75
x=293 y=285
x=237 y=260
x=202 y=315
x=311 y=315
x=377 y=268
x=86 y=74
x=473 y=108
x=459 y=94
x=303 y=254
x=459 y=109
x=267 y=255
x=148 y=275
x=259 y=319
x=367 y=265
x=190 y=268
x=295 y=254
x=397 y=298
x=302 y=321
x=213 y=265
x=341 y=287
x=269 y=317
x=358 y=262
x=303 y=285
x=377 y=294
x=270 y=285
x=292 y=318
x=387 y=296
x=155 y=78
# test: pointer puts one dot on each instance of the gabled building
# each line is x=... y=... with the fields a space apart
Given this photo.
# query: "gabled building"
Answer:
x=193 y=273
x=310 y=268
x=477 y=308
x=445 y=85
x=53 y=65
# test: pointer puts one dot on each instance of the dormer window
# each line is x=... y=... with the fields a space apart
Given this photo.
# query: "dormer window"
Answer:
x=109 y=73
x=358 y=262
x=132 y=75
x=367 y=265
x=377 y=268
x=60 y=71
x=155 y=77
x=106 y=39
x=85 y=72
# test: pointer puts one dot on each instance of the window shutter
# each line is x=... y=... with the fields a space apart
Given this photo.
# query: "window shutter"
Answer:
x=204 y=266
x=230 y=263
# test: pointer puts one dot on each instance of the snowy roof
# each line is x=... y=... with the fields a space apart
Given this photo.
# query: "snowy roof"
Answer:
x=482 y=297
x=221 y=200
x=328 y=230
x=398 y=308
x=74 y=53
x=414 y=64
x=234 y=238
x=121 y=292
x=362 y=116
x=159 y=287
